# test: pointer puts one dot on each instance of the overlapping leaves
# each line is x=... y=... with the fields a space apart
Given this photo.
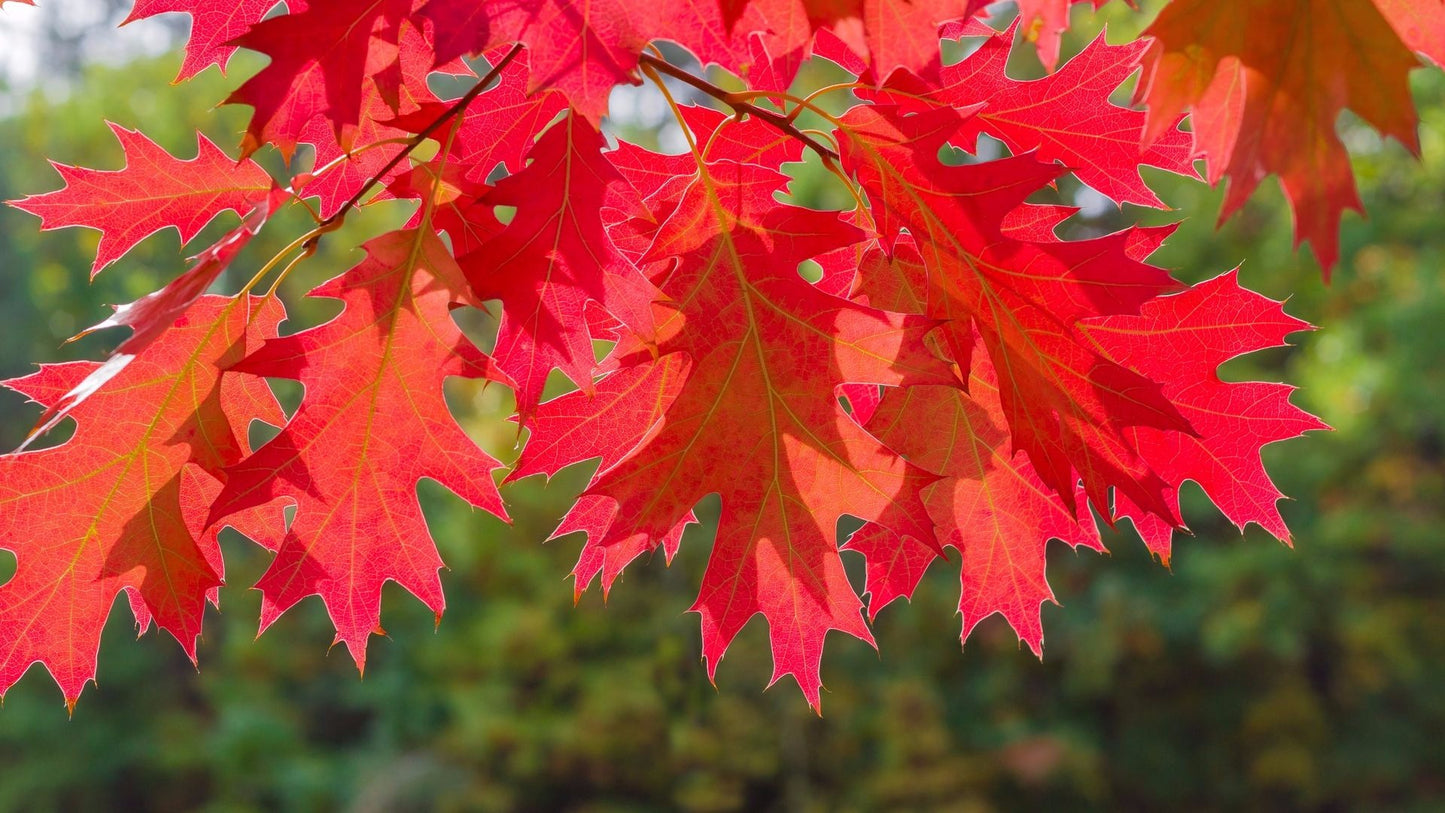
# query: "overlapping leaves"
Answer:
x=959 y=378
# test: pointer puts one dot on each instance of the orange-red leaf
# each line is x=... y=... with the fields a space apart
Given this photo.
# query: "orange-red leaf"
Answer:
x=153 y=191
x=1180 y=341
x=114 y=508
x=1267 y=83
x=757 y=422
x=1066 y=116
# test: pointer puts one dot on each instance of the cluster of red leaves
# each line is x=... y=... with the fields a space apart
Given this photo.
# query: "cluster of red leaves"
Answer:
x=960 y=376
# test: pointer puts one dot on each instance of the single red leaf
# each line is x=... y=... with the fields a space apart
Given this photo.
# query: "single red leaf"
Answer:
x=106 y=511
x=372 y=423
x=1065 y=116
x=1180 y=341
x=757 y=421
x=153 y=191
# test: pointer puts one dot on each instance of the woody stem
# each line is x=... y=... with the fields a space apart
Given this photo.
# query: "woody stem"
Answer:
x=740 y=104
x=333 y=222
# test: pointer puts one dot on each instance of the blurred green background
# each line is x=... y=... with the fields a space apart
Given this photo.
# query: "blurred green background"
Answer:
x=1251 y=675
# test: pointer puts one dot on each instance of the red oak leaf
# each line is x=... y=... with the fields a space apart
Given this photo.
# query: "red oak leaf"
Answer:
x=372 y=423
x=756 y=419
x=1064 y=402
x=215 y=24
x=1066 y=116
x=1266 y=90
x=109 y=510
x=1180 y=341
x=152 y=192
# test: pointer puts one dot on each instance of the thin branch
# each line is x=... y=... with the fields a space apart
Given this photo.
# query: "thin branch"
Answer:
x=334 y=222
x=740 y=104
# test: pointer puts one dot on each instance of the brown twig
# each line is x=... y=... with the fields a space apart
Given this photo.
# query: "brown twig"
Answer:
x=334 y=222
x=740 y=104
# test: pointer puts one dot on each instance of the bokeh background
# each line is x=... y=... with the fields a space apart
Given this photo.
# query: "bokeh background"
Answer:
x=1251 y=675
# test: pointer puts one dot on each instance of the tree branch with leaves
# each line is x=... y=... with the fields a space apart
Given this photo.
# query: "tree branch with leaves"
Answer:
x=949 y=370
